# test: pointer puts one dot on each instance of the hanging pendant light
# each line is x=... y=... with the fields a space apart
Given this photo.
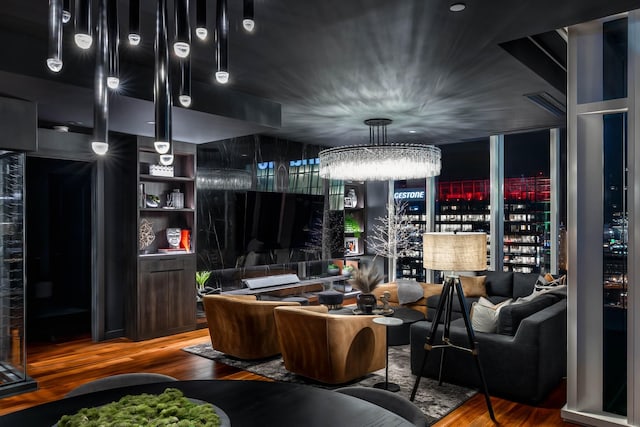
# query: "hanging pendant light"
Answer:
x=167 y=158
x=66 y=11
x=83 y=31
x=161 y=92
x=222 y=42
x=184 y=94
x=248 y=22
x=100 y=142
x=182 y=43
x=54 y=59
x=134 y=23
x=201 y=19
x=113 y=42
x=380 y=160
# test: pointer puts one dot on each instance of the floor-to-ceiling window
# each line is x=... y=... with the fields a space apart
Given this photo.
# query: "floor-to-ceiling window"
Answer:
x=464 y=193
x=614 y=260
x=527 y=203
x=603 y=256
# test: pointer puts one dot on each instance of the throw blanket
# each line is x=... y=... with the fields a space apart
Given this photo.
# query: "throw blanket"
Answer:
x=409 y=291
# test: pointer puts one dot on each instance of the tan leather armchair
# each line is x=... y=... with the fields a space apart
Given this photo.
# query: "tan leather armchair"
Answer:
x=241 y=326
x=331 y=349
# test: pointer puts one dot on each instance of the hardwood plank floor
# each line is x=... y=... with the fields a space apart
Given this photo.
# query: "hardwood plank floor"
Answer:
x=59 y=367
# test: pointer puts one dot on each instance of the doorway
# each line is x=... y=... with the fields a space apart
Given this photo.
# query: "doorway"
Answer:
x=58 y=228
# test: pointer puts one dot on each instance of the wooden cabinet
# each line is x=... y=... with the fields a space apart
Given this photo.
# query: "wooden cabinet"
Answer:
x=165 y=296
x=163 y=299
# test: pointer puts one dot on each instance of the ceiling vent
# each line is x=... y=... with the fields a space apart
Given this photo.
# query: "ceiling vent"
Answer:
x=547 y=102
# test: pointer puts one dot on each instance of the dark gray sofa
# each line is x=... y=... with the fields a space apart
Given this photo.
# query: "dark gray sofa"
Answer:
x=500 y=286
x=523 y=361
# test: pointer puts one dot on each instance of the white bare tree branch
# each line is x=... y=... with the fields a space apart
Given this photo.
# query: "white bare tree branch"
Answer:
x=393 y=236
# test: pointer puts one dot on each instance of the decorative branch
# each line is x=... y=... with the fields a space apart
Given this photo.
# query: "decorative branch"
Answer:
x=393 y=236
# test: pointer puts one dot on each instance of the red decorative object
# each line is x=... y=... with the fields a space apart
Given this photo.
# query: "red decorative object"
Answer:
x=185 y=239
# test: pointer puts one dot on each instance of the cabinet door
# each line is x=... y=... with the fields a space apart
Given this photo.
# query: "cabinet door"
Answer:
x=153 y=304
x=182 y=299
x=166 y=296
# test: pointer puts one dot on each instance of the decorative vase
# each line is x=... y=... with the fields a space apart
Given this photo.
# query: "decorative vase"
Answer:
x=185 y=239
x=366 y=303
x=333 y=271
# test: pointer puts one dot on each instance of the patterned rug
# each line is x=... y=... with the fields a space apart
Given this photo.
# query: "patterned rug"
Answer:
x=435 y=401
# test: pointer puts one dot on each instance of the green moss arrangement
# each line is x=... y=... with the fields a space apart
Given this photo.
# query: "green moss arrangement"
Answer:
x=170 y=407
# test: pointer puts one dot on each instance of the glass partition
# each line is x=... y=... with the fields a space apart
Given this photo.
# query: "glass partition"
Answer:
x=13 y=364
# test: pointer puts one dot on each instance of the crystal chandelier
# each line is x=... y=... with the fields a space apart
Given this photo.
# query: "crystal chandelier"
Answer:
x=380 y=160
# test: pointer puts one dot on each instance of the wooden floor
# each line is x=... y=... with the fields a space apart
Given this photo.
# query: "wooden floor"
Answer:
x=60 y=367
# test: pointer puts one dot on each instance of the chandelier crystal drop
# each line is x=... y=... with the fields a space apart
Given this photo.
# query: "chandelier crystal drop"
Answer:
x=380 y=160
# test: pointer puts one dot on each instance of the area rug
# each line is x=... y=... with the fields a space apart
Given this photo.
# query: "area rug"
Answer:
x=434 y=400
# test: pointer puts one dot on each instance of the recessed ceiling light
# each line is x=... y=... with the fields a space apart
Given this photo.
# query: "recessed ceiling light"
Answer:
x=151 y=122
x=457 y=7
x=61 y=128
x=413 y=131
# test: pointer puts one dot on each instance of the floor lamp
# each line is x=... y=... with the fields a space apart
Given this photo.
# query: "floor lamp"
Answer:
x=453 y=252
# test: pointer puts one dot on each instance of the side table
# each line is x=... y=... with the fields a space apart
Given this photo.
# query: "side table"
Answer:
x=386 y=385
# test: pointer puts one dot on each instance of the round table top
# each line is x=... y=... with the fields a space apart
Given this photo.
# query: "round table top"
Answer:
x=247 y=403
x=407 y=315
x=388 y=321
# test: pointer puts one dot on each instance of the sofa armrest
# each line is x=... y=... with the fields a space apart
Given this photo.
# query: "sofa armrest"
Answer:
x=241 y=297
x=549 y=321
x=314 y=308
x=429 y=289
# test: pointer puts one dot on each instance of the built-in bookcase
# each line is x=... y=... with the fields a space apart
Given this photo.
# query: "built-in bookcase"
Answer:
x=163 y=300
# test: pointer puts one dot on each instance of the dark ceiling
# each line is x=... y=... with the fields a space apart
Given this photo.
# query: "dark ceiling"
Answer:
x=314 y=71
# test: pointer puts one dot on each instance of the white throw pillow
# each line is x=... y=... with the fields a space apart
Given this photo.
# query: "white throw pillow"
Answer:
x=484 y=315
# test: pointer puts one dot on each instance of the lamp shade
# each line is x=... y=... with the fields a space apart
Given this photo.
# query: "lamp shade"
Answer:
x=455 y=251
